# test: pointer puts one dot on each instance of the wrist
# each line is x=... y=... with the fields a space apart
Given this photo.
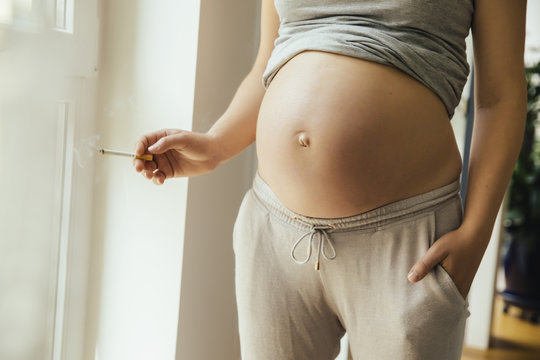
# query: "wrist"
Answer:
x=477 y=232
x=217 y=149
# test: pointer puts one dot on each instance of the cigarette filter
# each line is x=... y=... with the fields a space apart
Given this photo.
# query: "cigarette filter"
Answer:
x=147 y=157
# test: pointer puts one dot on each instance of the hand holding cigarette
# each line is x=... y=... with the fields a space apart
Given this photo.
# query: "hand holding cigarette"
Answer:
x=176 y=153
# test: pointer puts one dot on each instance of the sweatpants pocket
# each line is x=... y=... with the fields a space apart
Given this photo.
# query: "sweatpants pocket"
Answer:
x=449 y=286
x=448 y=217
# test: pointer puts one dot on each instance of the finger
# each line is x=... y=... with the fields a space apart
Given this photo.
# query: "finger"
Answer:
x=159 y=178
x=150 y=166
x=432 y=257
x=151 y=138
x=163 y=167
x=148 y=174
x=177 y=141
x=138 y=164
x=140 y=147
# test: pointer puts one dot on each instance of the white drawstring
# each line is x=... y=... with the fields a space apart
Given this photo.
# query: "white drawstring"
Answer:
x=323 y=237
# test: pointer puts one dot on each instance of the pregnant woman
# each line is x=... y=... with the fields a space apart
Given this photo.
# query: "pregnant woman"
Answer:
x=354 y=221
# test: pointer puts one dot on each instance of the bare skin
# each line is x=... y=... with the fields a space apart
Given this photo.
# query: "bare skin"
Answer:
x=351 y=135
x=334 y=139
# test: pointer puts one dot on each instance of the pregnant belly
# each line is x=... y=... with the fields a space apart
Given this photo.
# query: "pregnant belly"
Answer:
x=338 y=136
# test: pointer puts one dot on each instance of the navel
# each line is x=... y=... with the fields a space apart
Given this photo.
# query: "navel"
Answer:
x=303 y=139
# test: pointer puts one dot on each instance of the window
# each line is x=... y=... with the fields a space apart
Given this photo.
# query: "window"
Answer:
x=42 y=237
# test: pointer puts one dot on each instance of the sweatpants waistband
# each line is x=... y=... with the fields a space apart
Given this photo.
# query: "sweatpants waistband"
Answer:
x=369 y=218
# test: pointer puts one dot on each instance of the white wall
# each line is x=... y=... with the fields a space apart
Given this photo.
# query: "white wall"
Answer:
x=146 y=82
x=148 y=240
x=207 y=327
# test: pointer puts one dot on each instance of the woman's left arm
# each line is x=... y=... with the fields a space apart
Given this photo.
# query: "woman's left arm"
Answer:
x=498 y=31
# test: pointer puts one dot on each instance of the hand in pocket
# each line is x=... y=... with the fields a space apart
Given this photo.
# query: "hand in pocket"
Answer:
x=459 y=252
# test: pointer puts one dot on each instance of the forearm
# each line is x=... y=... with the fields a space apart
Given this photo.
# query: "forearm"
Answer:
x=497 y=137
x=235 y=129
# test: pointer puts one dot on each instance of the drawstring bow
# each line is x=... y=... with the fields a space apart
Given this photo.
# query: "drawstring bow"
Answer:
x=323 y=238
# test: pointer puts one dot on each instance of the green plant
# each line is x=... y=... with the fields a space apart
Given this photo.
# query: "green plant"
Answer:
x=523 y=213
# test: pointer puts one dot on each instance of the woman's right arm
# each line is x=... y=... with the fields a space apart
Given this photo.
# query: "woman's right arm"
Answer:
x=179 y=153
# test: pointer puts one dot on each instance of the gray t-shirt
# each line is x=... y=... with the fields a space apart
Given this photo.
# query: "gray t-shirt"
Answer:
x=423 y=38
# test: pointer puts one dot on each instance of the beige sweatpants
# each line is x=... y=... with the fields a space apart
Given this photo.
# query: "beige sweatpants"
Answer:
x=289 y=309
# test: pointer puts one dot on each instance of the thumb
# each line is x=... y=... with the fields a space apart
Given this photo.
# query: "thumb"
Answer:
x=166 y=143
x=432 y=257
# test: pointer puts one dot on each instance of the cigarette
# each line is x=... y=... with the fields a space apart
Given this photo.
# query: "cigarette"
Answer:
x=148 y=157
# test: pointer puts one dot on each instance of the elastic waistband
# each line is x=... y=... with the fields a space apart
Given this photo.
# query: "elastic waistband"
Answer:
x=369 y=218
